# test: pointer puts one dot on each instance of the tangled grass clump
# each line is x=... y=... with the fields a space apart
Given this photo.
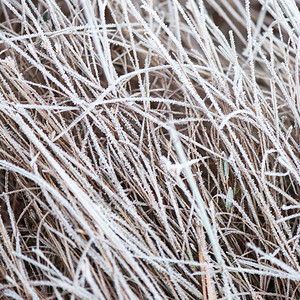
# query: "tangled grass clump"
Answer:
x=149 y=149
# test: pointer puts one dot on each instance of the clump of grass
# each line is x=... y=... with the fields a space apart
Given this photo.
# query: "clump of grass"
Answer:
x=149 y=149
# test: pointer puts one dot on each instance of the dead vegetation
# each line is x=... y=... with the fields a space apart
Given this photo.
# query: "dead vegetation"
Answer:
x=149 y=149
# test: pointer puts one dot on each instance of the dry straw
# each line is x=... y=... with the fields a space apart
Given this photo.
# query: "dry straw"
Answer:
x=149 y=149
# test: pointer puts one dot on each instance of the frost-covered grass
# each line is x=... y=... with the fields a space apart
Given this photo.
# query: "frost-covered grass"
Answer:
x=149 y=149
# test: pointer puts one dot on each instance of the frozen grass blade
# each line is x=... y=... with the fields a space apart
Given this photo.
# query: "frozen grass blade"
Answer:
x=149 y=149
